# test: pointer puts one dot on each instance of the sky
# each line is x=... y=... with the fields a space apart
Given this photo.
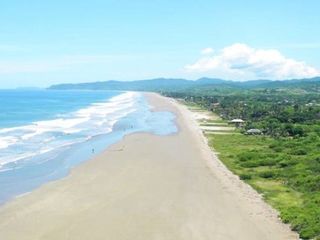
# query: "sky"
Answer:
x=49 y=42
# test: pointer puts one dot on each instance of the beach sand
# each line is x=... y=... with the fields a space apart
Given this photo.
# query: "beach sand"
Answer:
x=146 y=187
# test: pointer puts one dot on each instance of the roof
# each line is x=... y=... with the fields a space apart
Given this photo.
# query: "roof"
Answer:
x=237 y=120
x=254 y=130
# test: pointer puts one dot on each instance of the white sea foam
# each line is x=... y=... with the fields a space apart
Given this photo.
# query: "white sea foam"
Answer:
x=7 y=141
x=23 y=142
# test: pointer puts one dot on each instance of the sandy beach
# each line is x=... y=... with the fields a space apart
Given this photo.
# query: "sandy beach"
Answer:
x=146 y=187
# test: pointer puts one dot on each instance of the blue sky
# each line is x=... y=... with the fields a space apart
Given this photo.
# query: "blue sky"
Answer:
x=47 y=42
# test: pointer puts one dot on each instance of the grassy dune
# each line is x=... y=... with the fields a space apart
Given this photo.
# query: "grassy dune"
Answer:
x=285 y=171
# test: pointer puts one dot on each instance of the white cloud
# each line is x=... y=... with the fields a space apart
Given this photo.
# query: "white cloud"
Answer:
x=240 y=61
x=207 y=51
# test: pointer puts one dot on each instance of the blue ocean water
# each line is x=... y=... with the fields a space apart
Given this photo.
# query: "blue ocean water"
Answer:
x=45 y=133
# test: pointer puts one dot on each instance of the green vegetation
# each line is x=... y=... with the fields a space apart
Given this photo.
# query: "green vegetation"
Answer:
x=288 y=177
x=277 y=113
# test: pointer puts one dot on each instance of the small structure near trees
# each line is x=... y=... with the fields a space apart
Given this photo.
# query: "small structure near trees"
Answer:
x=237 y=122
x=254 y=131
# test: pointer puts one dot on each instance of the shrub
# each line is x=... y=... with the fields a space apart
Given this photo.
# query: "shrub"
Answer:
x=273 y=145
x=246 y=156
x=267 y=174
x=299 y=151
x=268 y=161
x=245 y=176
x=250 y=164
x=287 y=163
x=314 y=165
x=278 y=149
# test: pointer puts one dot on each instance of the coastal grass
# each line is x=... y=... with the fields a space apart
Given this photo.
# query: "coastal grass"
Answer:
x=285 y=171
x=216 y=121
x=191 y=105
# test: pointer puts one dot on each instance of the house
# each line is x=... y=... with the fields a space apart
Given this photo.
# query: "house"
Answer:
x=237 y=122
x=214 y=106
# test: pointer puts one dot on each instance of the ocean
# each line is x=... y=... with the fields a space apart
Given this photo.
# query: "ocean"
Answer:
x=45 y=133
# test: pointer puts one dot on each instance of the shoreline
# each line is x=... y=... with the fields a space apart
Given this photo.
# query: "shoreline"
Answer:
x=24 y=176
x=146 y=187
